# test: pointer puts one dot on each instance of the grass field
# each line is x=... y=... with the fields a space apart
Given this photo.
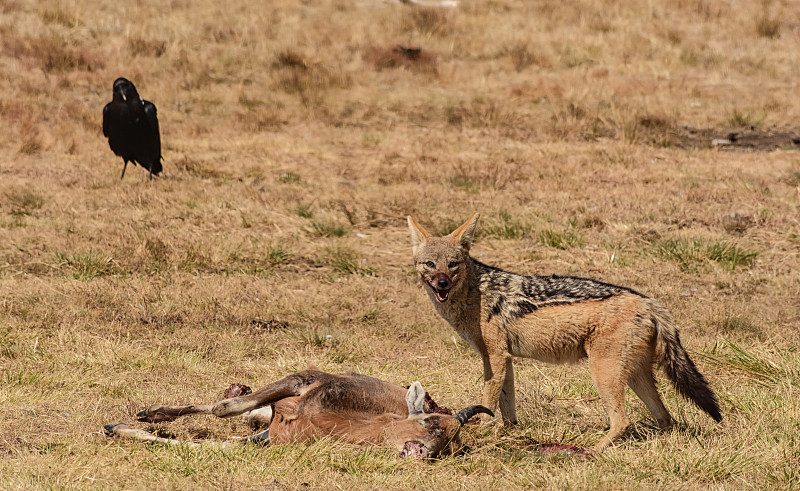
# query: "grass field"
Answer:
x=296 y=139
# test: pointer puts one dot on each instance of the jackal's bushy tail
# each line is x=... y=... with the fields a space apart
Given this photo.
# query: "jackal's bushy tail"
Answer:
x=680 y=369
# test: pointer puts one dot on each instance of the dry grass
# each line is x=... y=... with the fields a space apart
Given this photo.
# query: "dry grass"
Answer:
x=291 y=159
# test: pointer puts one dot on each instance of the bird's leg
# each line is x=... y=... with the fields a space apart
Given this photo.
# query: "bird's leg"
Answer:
x=123 y=169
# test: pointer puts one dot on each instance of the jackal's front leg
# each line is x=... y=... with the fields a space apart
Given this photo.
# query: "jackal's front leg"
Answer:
x=508 y=399
x=498 y=386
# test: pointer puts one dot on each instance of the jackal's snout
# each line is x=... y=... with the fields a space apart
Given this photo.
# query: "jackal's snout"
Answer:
x=441 y=284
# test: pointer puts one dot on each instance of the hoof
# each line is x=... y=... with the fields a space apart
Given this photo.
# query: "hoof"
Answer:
x=110 y=429
x=151 y=415
x=259 y=438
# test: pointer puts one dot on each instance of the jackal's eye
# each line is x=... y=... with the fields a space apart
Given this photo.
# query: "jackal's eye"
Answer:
x=452 y=264
x=430 y=264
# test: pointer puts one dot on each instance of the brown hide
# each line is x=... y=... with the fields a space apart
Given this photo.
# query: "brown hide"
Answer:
x=311 y=404
x=355 y=408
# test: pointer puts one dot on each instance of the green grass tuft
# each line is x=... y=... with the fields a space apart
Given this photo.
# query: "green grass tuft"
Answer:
x=328 y=229
x=24 y=202
x=738 y=119
x=289 y=178
x=276 y=255
x=466 y=183
x=561 y=240
x=507 y=228
x=87 y=265
x=735 y=324
x=345 y=262
x=304 y=211
x=693 y=255
x=755 y=366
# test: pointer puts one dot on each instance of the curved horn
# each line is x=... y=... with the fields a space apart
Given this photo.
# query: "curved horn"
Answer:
x=465 y=414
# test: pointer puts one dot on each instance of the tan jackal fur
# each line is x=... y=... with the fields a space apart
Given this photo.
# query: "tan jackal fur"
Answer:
x=557 y=319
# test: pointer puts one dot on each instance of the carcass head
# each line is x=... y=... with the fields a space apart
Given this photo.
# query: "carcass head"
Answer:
x=428 y=435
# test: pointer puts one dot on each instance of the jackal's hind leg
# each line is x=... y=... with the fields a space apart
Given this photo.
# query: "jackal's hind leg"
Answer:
x=610 y=382
x=644 y=386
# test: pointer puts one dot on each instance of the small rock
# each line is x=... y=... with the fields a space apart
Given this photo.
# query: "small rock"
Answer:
x=736 y=222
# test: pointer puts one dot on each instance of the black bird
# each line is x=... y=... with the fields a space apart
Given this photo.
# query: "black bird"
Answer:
x=131 y=125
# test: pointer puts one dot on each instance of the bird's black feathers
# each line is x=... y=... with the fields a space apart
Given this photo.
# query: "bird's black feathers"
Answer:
x=131 y=125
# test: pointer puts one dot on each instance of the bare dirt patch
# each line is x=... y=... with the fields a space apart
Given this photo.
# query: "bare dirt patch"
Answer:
x=745 y=139
x=411 y=57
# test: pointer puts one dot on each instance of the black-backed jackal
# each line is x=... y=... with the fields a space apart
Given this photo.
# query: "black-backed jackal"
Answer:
x=556 y=319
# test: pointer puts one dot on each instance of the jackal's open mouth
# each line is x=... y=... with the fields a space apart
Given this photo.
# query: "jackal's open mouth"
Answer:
x=414 y=449
x=441 y=293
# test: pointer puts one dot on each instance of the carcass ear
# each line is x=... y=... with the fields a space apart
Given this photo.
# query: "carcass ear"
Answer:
x=463 y=234
x=418 y=234
x=415 y=398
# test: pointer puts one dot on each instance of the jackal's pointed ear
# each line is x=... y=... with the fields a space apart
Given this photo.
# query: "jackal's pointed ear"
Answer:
x=418 y=234
x=415 y=398
x=464 y=234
